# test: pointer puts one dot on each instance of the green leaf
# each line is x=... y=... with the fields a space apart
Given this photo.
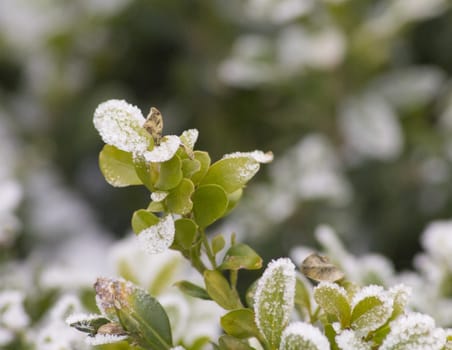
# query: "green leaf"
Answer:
x=209 y=204
x=240 y=323
x=141 y=315
x=302 y=297
x=234 y=199
x=90 y=324
x=185 y=233
x=228 y=342
x=204 y=160
x=330 y=333
x=190 y=167
x=334 y=301
x=170 y=174
x=142 y=219
x=231 y=173
x=241 y=256
x=193 y=290
x=178 y=200
x=118 y=167
x=274 y=299
x=218 y=244
x=371 y=310
x=219 y=290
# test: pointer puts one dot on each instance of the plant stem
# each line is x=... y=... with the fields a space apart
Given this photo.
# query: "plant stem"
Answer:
x=208 y=249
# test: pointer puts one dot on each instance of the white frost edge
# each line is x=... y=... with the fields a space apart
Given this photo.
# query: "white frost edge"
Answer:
x=100 y=339
x=257 y=156
x=331 y=285
x=190 y=137
x=165 y=151
x=157 y=238
x=158 y=196
x=372 y=291
x=349 y=340
x=80 y=318
x=288 y=270
x=307 y=332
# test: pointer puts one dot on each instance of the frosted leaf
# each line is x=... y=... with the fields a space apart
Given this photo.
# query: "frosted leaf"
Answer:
x=300 y=335
x=158 y=196
x=258 y=156
x=400 y=294
x=372 y=307
x=189 y=137
x=100 y=339
x=120 y=124
x=157 y=238
x=414 y=331
x=81 y=318
x=333 y=299
x=274 y=299
x=164 y=151
x=349 y=340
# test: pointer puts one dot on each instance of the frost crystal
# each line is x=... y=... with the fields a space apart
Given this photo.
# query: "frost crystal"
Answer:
x=164 y=151
x=100 y=339
x=121 y=125
x=414 y=331
x=157 y=238
x=274 y=298
x=349 y=340
x=258 y=156
x=300 y=335
x=158 y=196
x=81 y=318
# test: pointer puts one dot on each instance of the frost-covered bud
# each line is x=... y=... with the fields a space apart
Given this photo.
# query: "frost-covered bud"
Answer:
x=414 y=331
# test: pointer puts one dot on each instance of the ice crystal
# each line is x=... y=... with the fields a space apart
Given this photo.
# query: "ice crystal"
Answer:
x=164 y=151
x=303 y=335
x=258 y=156
x=100 y=339
x=157 y=238
x=274 y=298
x=120 y=124
x=158 y=196
x=414 y=331
x=349 y=340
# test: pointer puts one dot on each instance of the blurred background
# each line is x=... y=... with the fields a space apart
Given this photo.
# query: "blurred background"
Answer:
x=354 y=98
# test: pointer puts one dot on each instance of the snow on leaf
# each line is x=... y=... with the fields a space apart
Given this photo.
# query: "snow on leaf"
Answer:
x=333 y=299
x=349 y=340
x=257 y=155
x=414 y=331
x=189 y=138
x=274 y=299
x=100 y=339
x=157 y=238
x=158 y=196
x=300 y=335
x=164 y=151
x=120 y=124
x=372 y=306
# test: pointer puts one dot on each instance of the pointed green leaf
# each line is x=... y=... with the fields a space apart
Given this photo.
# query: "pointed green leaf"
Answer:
x=300 y=335
x=178 y=200
x=118 y=167
x=142 y=219
x=193 y=290
x=231 y=173
x=228 y=342
x=170 y=174
x=185 y=233
x=204 y=160
x=241 y=256
x=218 y=244
x=219 y=290
x=334 y=301
x=240 y=323
x=274 y=299
x=209 y=204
